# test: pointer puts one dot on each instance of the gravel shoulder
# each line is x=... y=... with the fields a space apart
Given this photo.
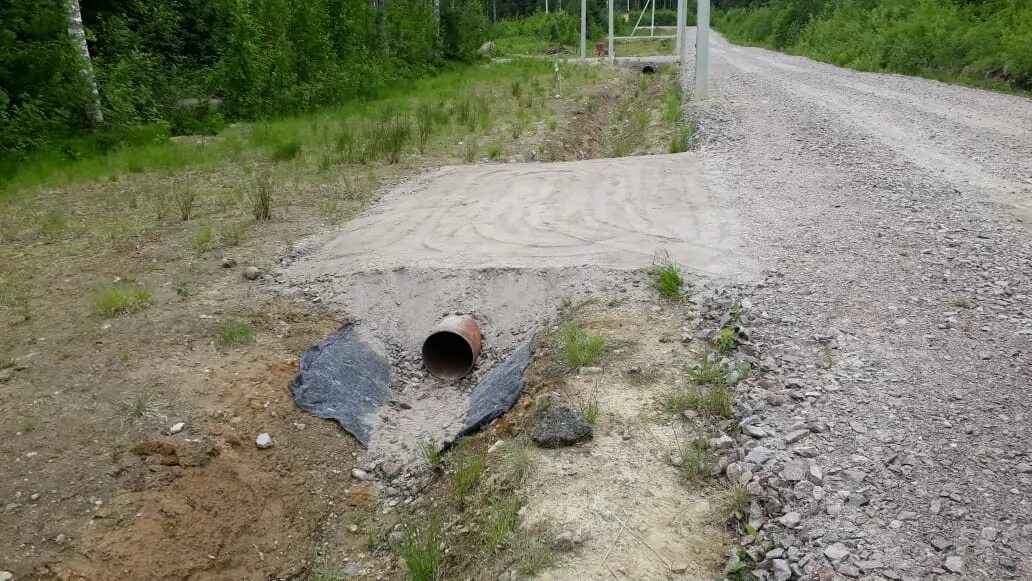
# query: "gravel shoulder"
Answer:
x=890 y=218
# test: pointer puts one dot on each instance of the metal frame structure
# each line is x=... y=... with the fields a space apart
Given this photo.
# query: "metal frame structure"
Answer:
x=701 y=90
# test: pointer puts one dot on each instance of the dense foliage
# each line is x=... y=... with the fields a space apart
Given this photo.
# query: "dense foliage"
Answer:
x=979 y=40
x=189 y=64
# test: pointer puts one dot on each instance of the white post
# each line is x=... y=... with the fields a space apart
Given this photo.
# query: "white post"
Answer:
x=584 y=29
x=680 y=30
x=702 y=52
x=612 y=55
x=653 y=28
x=77 y=31
x=546 y=6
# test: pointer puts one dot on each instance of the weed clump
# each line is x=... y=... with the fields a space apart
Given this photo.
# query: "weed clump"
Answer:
x=421 y=550
x=120 y=299
x=234 y=333
x=667 y=278
x=578 y=347
x=261 y=199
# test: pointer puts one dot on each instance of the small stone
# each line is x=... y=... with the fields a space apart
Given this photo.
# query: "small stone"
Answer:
x=806 y=451
x=6 y=576
x=679 y=568
x=228 y=262
x=791 y=520
x=954 y=564
x=759 y=455
x=856 y=500
x=848 y=571
x=590 y=370
x=940 y=544
x=1025 y=468
x=724 y=442
x=793 y=437
x=359 y=474
x=353 y=529
x=34 y=497
x=60 y=539
x=263 y=441
x=251 y=273
x=989 y=533
x=815 y=475
x=754 y=431
x=176 y=428
x=782 y=572
x=836 y=552
x=794 y=470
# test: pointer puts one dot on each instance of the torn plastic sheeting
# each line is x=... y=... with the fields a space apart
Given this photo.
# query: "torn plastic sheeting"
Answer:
x=343 y=378
x=498 y=391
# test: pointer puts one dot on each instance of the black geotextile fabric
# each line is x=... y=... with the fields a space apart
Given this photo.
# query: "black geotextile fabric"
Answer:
x=345 y=379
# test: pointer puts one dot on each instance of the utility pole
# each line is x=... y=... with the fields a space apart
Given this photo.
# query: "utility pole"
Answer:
x=702 y=52
x=584 y=29
x=546 y=6
x=612 y=55
x=681 y=4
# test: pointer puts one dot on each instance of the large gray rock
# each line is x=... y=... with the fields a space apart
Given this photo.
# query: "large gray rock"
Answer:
x=558 y=426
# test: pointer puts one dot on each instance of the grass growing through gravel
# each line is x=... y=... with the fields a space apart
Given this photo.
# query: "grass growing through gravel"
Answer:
x=694 y=462
x=579 y=348
x=421 y=550
x=714 y=400
x=726 y=340
x=681 y=140
x=502 y=520
x=431 y=453
x=733 y=504
x=234 y=333
x=667 y=278
x=120 y=299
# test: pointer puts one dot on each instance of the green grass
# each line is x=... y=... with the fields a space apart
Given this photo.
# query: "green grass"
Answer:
x=234 y=333
x=726 y=340
x=184 y=197
x=182 y=290
x=421 y=550
x=467 y=475
x=695 y=466
x=590 y=407
x=579 y=348
x=203 y=239
x=260 y=199
x=706 y=372
x=336 y=129
x=733 y=504
x=53 y=225
x=532 y=555
x=431 y=453
x=29 y=425
x=495 y=151
x=232 y=234
x=501 y=522
x=673 y=102
x=714 y=401
x=514 y=467
x=667 y=278
x=142 y=406
x=120 y=299
x=681 y=140
x=961 y=303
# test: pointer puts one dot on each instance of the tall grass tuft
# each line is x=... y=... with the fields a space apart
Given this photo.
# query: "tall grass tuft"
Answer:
x=421 y=550
x=261 y=199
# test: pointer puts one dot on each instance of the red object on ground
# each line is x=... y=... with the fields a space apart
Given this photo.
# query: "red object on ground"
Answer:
x=600 y=49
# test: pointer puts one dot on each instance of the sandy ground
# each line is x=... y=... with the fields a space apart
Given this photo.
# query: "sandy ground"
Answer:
x=605 y=212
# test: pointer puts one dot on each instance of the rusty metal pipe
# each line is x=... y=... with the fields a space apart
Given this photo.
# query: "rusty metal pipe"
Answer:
x=452 y=347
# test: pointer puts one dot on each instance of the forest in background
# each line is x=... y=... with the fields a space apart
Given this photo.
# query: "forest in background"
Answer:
x=171 y=67
x=976 y=41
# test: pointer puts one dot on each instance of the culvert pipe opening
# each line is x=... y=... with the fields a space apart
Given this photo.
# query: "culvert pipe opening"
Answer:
x=452 y=348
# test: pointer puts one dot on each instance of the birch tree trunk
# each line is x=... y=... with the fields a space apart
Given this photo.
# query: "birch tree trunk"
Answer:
x=78 y=34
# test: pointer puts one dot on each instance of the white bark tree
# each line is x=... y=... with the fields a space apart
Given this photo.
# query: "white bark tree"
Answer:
x=77 y=31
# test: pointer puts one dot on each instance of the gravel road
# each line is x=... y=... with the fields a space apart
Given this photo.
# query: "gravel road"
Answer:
x=891 y=218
